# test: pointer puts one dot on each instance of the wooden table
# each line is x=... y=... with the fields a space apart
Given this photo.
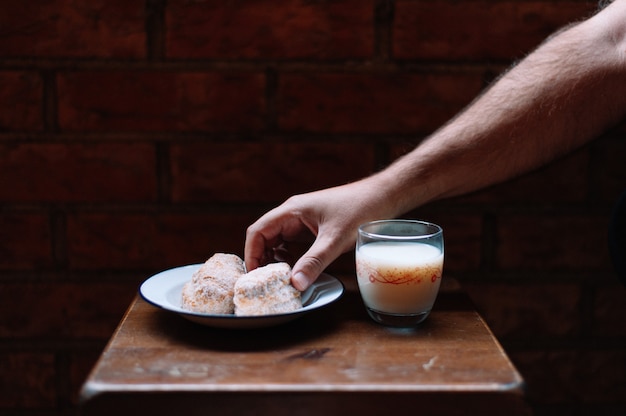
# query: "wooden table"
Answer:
x=334 y=361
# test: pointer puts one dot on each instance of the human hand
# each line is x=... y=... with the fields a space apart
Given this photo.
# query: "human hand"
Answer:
x=330 y=216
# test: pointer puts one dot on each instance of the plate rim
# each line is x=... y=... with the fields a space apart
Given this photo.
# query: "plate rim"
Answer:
x=237 y=321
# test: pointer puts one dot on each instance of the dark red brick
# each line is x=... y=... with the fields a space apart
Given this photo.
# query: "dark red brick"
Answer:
x=69 y=28
x=610 y=310
x=553 y=242
x=516 y=310
x=22 y=94
x=609 y=169
x=27 y=380
x=161 y=101
x=143 y=241
x=57 y=172
x=265 y=29
x=26 y=241
x=478 y=30
x=60 y=310
x=371 y=103
x=268 y=172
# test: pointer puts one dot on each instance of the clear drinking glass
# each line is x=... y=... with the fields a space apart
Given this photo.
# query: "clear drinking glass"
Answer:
x=399 y=264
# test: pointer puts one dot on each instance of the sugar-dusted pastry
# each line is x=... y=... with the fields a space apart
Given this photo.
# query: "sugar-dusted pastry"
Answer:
x=211 y=288
x=266 y=290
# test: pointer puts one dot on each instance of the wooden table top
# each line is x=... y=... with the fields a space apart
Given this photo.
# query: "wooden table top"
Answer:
x=333 y=360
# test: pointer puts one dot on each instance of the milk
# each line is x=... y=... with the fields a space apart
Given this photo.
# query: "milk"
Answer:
x=399 y=277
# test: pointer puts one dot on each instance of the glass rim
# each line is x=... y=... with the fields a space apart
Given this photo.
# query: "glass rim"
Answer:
x=438 y=229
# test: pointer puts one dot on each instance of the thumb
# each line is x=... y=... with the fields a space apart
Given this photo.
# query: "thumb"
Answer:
x=308 y=268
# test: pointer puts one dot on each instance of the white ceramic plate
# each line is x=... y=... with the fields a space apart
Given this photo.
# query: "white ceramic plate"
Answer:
x=164 y=291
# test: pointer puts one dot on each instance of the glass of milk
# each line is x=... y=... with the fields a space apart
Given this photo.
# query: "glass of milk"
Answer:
x=399 y=264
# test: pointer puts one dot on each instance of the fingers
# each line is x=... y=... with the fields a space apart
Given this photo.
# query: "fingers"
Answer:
x=272 y=237
x=308 y=268
x=266 y=238
x=258 y=243
x=256 y=252
x=264 y=243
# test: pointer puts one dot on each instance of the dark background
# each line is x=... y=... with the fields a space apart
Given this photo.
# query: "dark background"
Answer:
x=137 y=136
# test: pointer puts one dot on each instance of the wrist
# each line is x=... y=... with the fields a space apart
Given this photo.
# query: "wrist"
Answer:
x=396 y=191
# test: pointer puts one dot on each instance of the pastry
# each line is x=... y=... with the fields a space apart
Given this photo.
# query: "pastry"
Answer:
x=266 y=290
x=211 y=288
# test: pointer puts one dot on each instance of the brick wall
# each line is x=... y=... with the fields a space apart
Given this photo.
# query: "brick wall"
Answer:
x=139 y=135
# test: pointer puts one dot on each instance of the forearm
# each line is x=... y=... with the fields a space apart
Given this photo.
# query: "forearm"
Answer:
x=567 y=92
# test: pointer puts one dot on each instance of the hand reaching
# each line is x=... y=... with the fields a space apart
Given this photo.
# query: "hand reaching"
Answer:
x=330 y=217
